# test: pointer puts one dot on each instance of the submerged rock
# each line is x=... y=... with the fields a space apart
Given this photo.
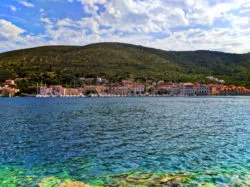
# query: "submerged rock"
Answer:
x=49 y=182
x=139 y=179
x=174 y=179
x=207 y=185
x=73 y=184
x=147 y=179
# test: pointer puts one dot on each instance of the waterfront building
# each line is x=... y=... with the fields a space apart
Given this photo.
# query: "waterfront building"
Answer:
x=72 y=92
x=91 y=88
x=201 y=89
x=98 y=89
x=128 y=87
x=138 y=89
x=44 y=90
x=8 y=92
x=234 y=90
x=163 y=89
x=187 y=89
x=58 y=90
x=120 y=90
x=55 y=90
x=244 y=91
x=215 y=88
x=174 y=90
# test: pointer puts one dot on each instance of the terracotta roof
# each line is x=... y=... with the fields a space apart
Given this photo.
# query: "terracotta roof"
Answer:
x=188 y=84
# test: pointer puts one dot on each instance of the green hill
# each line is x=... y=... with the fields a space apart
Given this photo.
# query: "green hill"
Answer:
x=115 y=61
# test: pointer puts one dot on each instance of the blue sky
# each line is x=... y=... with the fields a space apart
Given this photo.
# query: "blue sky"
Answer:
x=222 y=25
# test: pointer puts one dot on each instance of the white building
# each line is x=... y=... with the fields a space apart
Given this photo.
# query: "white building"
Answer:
x=173 y=91
x=44 y=90
x=52 y=91
x=138 y=88
x=202 y=90
x=187 y=89
x=58 y=90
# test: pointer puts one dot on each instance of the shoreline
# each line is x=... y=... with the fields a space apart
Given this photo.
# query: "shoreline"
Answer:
x=157 y=96
x=210 y=178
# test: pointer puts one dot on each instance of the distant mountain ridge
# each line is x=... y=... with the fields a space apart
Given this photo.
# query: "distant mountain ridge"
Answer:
x=116 y=61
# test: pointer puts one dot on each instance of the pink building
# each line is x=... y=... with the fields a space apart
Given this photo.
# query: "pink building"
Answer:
x=72 y=91
x=99 y=89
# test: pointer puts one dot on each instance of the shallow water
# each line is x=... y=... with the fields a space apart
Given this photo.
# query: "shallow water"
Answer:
x=93 y=139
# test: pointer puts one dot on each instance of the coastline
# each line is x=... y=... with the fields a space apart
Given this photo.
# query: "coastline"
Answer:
x=211 y=178
x=156 y=96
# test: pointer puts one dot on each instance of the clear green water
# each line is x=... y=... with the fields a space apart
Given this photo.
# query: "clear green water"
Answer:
x=99 y=140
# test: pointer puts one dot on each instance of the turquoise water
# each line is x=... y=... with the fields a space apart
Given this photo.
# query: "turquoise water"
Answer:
x=94 y=139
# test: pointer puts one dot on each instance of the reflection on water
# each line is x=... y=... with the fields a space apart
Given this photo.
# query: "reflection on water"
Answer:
x=118 y=141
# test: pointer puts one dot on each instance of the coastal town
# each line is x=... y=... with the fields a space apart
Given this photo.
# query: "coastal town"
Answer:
x=100 y=87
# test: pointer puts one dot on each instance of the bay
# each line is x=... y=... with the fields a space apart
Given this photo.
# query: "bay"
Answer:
x=93 y=139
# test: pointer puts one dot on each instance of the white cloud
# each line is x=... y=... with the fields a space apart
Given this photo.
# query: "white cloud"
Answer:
x=27 y=4
x=9 y=30
x=222 y=25
x=9 y=35
x=67 y=22
x=46 y=20
x=92 y=2
x=12 y=8
x=141 y=16
x=223 y=39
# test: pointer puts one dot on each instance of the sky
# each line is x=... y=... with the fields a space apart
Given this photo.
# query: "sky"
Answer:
x=179 y=25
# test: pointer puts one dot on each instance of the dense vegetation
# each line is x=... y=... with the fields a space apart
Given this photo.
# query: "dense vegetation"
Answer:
x=116 y=61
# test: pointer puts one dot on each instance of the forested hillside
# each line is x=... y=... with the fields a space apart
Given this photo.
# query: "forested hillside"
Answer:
x=116 y=61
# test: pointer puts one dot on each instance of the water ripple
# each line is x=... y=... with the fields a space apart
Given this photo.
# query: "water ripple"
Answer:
x=98 y=137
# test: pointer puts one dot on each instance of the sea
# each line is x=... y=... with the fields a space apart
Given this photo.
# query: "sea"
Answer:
x=133 y=141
